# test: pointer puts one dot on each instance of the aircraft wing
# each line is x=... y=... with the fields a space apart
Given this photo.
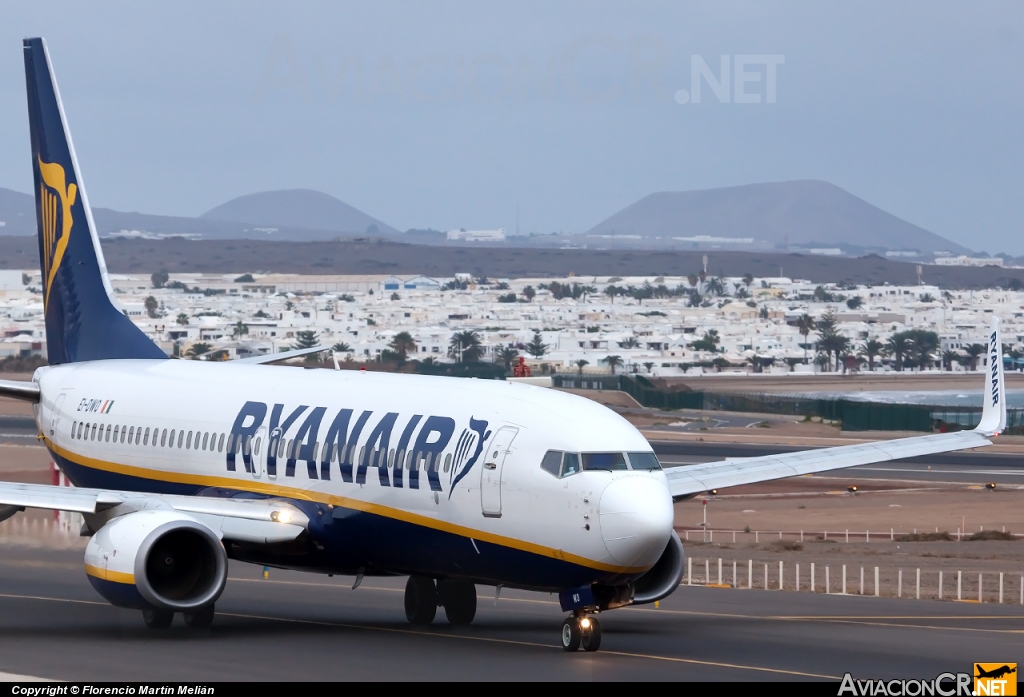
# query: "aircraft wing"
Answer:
x=276 y=357
x=242 y=520
x=694 y=479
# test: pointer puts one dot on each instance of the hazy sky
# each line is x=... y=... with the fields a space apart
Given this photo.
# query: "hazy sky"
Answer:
x=449 y=114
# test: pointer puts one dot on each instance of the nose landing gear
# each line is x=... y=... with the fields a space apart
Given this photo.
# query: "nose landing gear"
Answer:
x=581 y=630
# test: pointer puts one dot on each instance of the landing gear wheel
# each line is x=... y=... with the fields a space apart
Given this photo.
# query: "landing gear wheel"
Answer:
x=420 y=600
x=591 y=640
x=157 y=619
x=571 y=634
x=200 y=618
x=459 y=601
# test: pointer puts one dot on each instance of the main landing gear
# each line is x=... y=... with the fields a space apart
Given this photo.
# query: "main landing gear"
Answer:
x=200 y=618
x=423 y=596
x=581 y=630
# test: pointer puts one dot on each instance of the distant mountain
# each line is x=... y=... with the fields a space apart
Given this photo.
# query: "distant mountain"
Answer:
x=299 y=208
x=793 y=214
x=17 y=213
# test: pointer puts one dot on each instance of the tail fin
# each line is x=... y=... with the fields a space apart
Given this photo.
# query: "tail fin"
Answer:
x=993 y=414
x=83 y=321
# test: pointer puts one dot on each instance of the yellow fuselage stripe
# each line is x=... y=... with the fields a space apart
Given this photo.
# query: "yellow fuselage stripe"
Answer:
x=344 y=502
x=105 y=575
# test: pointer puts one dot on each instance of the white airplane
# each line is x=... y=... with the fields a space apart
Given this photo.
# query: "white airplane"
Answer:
x=181 y=465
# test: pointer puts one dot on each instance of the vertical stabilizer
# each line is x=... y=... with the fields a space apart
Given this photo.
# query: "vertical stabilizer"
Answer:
x=993 y=414
x=83 y=321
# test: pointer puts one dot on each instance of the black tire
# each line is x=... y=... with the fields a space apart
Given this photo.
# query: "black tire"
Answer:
x=420 y=600
x=459 y=601
x=157 y=619
x=200 y=618
x=591 y=640
x=571 y=634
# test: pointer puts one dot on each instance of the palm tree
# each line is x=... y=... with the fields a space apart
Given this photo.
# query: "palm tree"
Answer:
x=629 y=343
x=151 y=305
x=748 y=279
x=648 y=365
x=611 y=291
x=870 y=349
x=949 y=357
x=974 y=351
x=587 y=290
x=507 y=354
x=580 y=364
x=465 y=346
x=402 y=344
x=529 y=292
x=899 y=346
x=613 y=362
x=341 y=347
x=198 y=349
x=240 y=329
x=714 y=287
x=182 y=319
x=805 y=325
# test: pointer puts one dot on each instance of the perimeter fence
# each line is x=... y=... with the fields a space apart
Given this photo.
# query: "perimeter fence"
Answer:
x=852 y=414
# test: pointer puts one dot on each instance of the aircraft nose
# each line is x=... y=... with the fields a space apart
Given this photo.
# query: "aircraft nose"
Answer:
x=636 y=520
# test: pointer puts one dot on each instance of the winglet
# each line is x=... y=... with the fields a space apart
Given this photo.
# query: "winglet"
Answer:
x=993 y=414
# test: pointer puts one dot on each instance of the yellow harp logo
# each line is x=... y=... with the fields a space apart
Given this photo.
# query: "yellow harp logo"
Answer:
x=55 y=202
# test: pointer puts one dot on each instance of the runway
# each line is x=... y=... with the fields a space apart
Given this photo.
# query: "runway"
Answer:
x=304 y=627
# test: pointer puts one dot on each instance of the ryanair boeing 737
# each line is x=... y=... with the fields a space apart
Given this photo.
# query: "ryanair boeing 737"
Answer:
x=179 y=466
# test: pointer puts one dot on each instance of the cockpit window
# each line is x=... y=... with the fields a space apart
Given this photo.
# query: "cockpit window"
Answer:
x=644 y=461
x=604 y=461
x=570 y=464
x=552 y=462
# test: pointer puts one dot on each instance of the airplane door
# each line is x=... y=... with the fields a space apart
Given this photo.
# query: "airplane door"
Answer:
x=258 y=451
x=490 y=473
x=55 y=416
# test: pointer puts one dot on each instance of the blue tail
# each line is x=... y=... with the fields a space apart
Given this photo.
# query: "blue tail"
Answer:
x=83 y=321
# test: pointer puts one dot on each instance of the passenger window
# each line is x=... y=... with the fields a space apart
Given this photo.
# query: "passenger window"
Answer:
x=79 y=431
x=400 y=458
x=248 y=445
x=109 y=429
x=256 y=449
x=644 y=461
x=124 y=433
x=604 y=461
x=410 y=458
x=316 y=449
x=206 y=440
x=74 y=425
x=163 y=437
x=92 y=434
x=552 y=462
x=448 y=462
x=145 y=440
x=116 y=429
x=188 y=443
x=570 y=464
x=181 y=436
x=220 y=443
x=429 y=463
x=131 y=434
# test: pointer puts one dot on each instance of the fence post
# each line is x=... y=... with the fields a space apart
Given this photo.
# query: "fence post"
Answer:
x=940 y=586
x=707 y=571
x=750 y=574
x=867 y=536
x=981 y=586
x=899 y=585
x=781 y=586
x=734 y=537
x=797 y=577
x=812 y=579
x=780 y=534
x=734 y=574
x=1000 y=587
x=892 y=535
x=801 y=535
x=847 y=535
x=918 y=584
x=711 y=535
x=844 y=579
x=824 y=535
x=862 y=580
x=827 y=589
x=687 y=534
x=959 y=580
x=719 y=571
x=876 y=581
x=766 y=575
x=689 y=571
x=757 y=535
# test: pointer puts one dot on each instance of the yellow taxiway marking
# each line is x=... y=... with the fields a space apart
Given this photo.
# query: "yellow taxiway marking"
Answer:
x=535 y=644
x=490 y=640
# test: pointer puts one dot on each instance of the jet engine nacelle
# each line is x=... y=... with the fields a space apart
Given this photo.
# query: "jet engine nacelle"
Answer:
x=158 y=559
x=664 y=577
